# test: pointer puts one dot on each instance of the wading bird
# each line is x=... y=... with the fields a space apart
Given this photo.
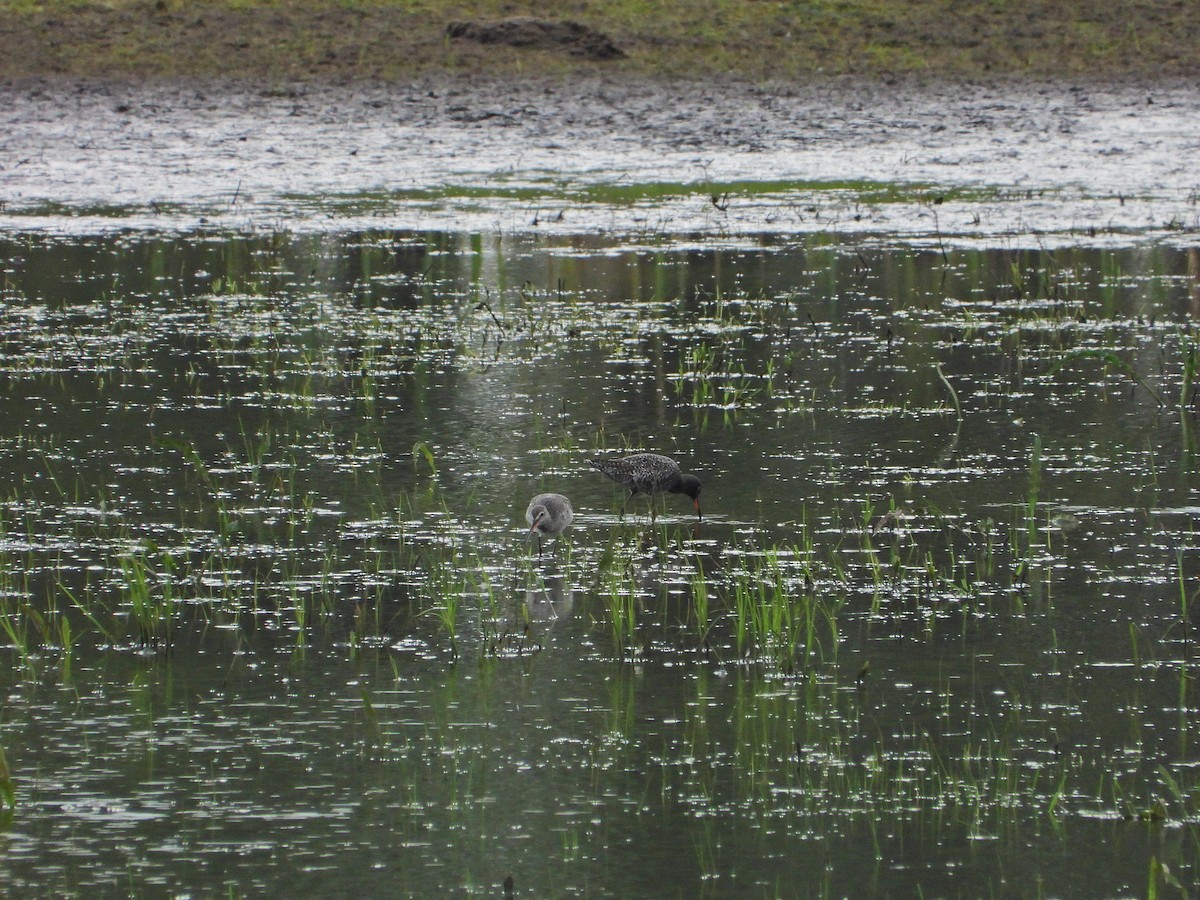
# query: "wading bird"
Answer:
x=548 y=515
x=649 y=473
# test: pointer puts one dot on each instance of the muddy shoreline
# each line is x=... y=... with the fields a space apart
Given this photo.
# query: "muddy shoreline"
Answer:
x=161 y=147
x=674 y=112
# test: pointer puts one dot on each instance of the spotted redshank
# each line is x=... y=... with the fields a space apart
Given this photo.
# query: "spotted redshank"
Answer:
x=548 y=516
x=649 y=473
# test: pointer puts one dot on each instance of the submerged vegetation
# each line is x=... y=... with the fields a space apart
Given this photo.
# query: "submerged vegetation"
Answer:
x=944 y=583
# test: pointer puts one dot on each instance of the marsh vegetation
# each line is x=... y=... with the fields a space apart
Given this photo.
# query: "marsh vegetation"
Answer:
x=281 y=366
x=266 y=593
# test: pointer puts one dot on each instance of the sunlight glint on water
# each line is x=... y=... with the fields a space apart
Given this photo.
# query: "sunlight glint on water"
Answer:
x=271 y=620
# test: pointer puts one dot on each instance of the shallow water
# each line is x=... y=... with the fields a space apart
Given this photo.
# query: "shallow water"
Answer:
x=289 y=453
x=271 y=624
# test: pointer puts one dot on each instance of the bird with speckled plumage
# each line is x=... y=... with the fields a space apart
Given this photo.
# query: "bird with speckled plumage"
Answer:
x=652 y=474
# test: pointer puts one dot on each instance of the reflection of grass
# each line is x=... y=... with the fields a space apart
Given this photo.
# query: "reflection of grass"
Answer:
x=445 y=611
x=1023 y=534
x=776 y=617
x=621 y=605
x=700 y=612
x=706 y=378
x=1109 y=359
x=8 y=791
x=151 y=606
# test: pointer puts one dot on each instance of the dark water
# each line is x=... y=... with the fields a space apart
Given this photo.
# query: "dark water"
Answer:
x=273 y=628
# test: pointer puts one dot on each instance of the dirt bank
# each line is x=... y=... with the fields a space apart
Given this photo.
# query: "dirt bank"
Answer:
x=314 y=40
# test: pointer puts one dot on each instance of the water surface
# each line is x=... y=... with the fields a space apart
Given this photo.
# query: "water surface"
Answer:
x=272 y=625
x=281 y=371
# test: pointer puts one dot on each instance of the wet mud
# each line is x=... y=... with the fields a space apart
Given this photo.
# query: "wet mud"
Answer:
x=1017 y=161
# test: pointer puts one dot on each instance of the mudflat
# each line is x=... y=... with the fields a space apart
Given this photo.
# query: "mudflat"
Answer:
x=608 y=153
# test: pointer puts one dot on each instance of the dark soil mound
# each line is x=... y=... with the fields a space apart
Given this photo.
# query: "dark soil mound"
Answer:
x=538 y=34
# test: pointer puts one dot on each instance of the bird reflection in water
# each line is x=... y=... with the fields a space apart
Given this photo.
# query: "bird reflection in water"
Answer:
x=549 y=599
